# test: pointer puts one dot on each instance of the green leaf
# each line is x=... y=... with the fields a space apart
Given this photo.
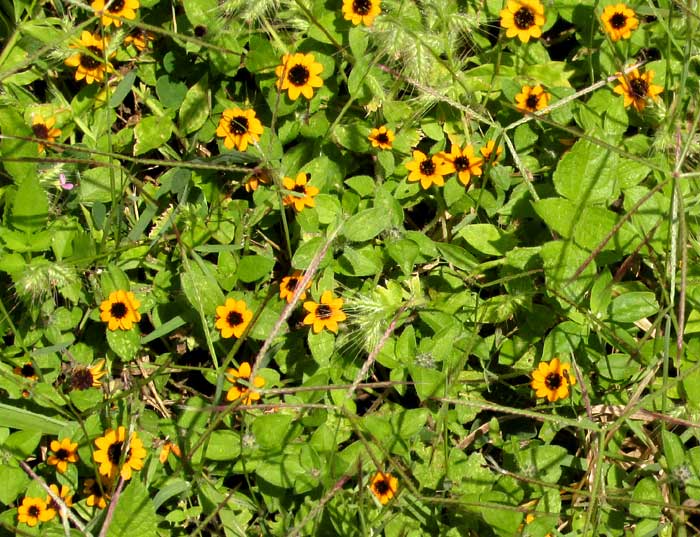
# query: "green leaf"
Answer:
x=135 y=514
x=252 y=268
x=170 y=92
x=30 y=207
x=561 y=261
x=96 y=184
x=630 y=307
x=364 y=261
x=12 y=124
x=366 y=225
x=201 y=289
x=195 y=108
x=673 y=449
x=272 y=431
x=22 y=443
x=151 y=132
x=14 y=481
x=173 y=487
x=588 y=174
x=18 y=418
x=488 y=239
x=648 y=489
x=404 y=252
x=124 y=343
x=428 y=382
x=321 y=346
x=123 y=89
x=457 y=256
x=223 y=446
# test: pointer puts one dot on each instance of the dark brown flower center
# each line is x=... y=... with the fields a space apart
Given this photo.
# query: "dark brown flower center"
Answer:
x=524 y=18
x=382 y=138
x=618 y=21
x=553 y=381
x=28 y=371
x=292 y=284
x=638 y=88
x=361 y=7
x=382 y=487
x=461 y=163
x=114 y=452
x=40 y=130
x=531 y=102
x=239 y=125
x=324 y=311
x=298 y=75
x=301 y=189
x=118 y=310
x=234 y=318
x=62 y=454
x=116 y=6
x=81 y=379
x=90 y=61
x=34 y=511
x=427 y=167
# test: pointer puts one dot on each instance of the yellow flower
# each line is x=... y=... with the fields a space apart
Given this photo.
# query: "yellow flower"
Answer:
x=427 y=170
x=298 y=74
x=233 y=318
x=125 y=9
x=636 y=88
x=488 y=150
x=523 y=18
x=384 y=487
x=289 y=285
x=120 y=310
x=166 y=449
x=531 y=99
x=463 y=162
x=97 y=495
x=64 y=452
x=34 y=510
x=552 y=380
x=82 y=378
x=64 y=494
x=381 y=138
x=304 y=193
x=327 y=313
x=90 y=63
x=619 y=21
x=43 y=129
x=27 y=371
x=258 y=178
x=109 y=453
x=139 y=38
x=361 y=11
x=239 y=390
x=239 y=128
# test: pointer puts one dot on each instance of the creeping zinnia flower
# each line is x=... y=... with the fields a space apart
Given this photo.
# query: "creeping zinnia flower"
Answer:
x=381 y=137
x=239 y=128
x=289 y=285
x=428 y=170
x=552 y=380
x=326 y=314
x=233 y=318
x=298 y=75
x=361 y=11
x=488 y=150
x=34 y=510
x=110 y=451
x=637 y=88
x=64 y=452
x=82 y=378
x=120 y=310
x=97 y=495
x=301 y=194
x=523 y=18
x=139 y=38
x=44 y=130
x=463 y=162
x=64 y=494
x=532 y=99
x=619 y=21
x=243 y=391
x=384 y=487
x=90 y=61
x=126 y=9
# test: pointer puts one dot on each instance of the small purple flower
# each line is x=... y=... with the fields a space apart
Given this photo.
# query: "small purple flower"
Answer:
x=65 y=185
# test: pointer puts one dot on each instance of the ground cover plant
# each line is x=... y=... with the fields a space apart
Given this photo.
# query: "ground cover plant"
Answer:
x=349 y=267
